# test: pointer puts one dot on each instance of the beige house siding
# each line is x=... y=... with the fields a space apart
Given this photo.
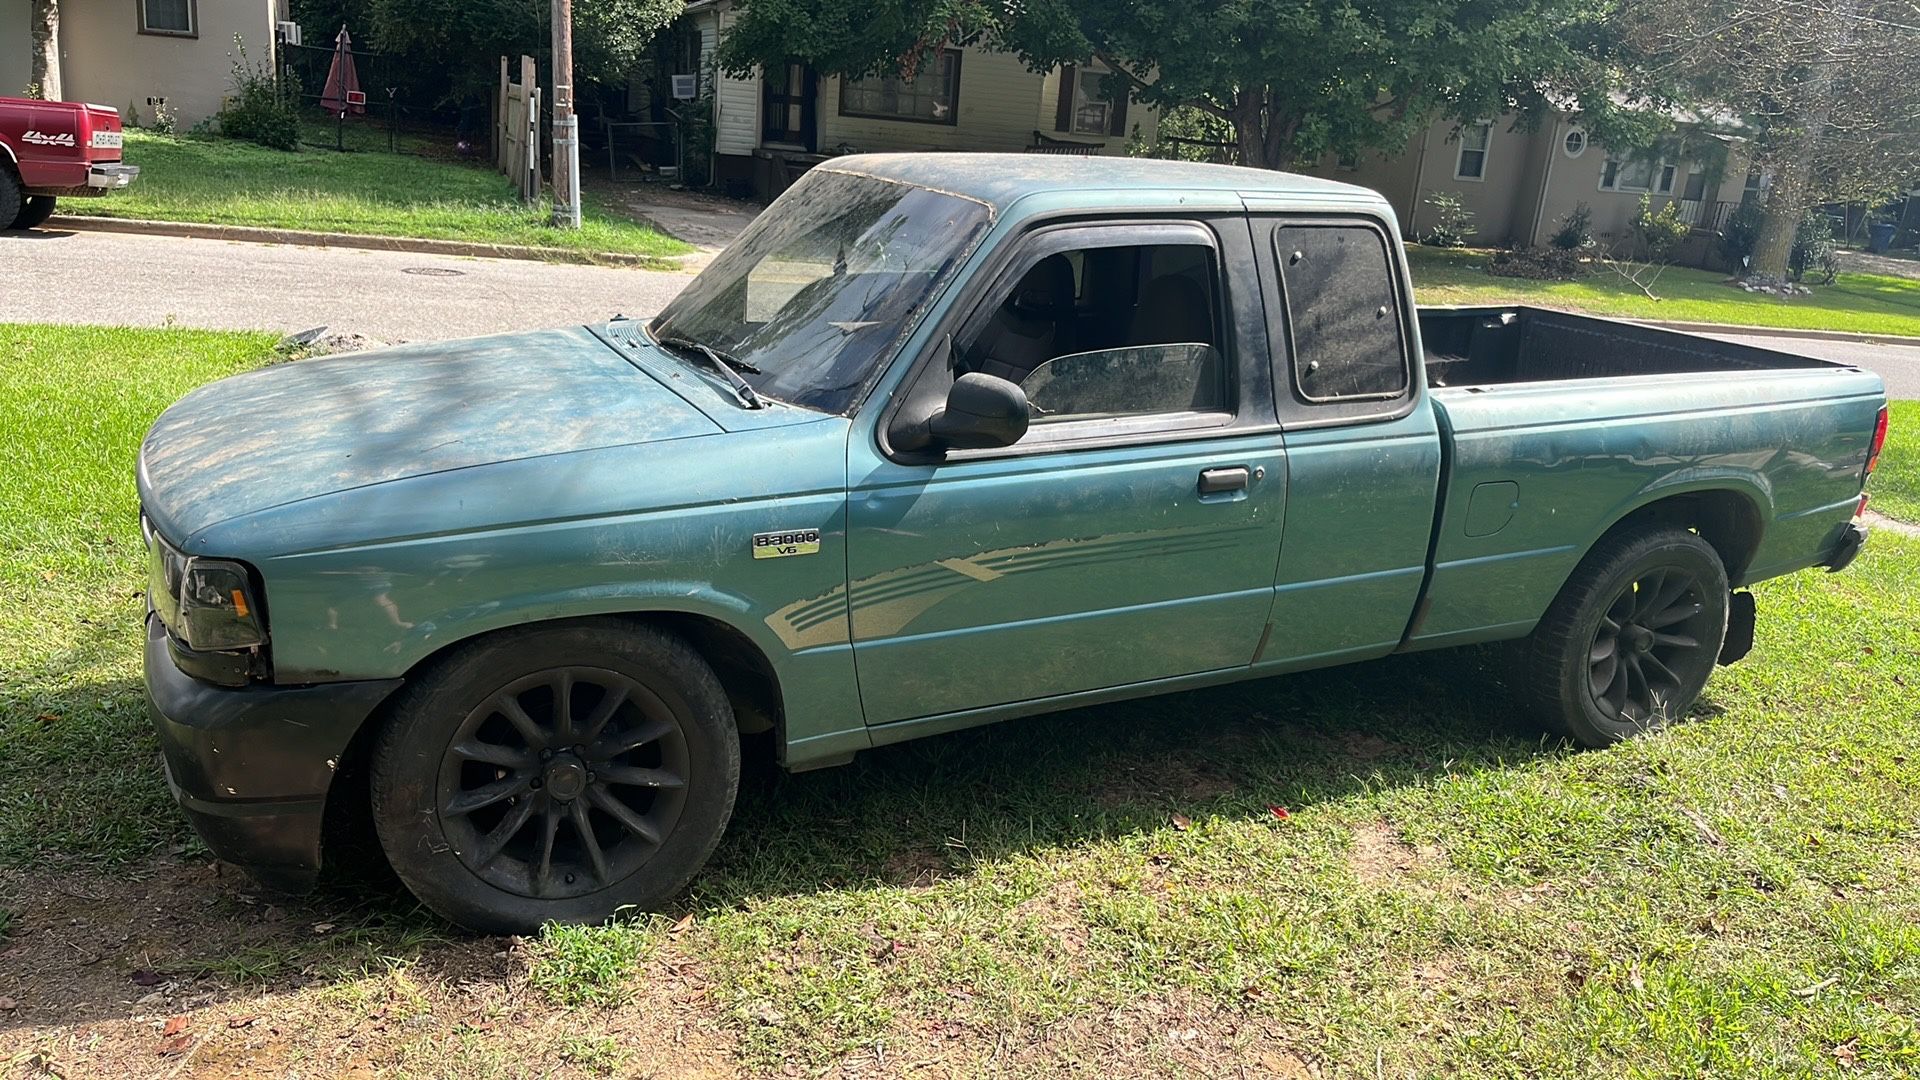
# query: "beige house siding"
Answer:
x=16 y=56
x=736 y=101
x=1530 y=183
x=104 y=58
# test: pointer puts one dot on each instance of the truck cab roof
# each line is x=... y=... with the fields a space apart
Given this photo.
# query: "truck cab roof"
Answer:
x=1000 y=180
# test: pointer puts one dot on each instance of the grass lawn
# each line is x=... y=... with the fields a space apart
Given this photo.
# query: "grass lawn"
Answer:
x=1860 y=303
x=1109 y=891
x=226 y=182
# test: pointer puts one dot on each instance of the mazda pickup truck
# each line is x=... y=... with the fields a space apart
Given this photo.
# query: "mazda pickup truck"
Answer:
x=938 y=441
x=54 y=149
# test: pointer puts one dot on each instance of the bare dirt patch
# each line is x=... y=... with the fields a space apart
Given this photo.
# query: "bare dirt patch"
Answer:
x=1379 y=857
x=187 y=969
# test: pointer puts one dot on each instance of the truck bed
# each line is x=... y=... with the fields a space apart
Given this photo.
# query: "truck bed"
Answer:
x=1772 y=459
x=1489 y=346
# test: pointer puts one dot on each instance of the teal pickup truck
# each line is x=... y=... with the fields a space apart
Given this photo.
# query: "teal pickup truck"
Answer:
x=939 y=440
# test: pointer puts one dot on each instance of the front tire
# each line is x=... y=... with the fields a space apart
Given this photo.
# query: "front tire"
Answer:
x=1632 y=638
x=556 y=774
x=12 y=199
x=34 y=209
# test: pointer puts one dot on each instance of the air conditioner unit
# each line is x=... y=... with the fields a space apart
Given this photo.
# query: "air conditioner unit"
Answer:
x=686 y=87
x=289 y=32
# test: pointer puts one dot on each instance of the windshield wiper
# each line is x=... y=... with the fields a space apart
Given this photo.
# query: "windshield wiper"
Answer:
x=729 y=366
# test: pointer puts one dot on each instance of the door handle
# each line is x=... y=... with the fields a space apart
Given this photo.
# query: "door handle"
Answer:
x=1215 y=481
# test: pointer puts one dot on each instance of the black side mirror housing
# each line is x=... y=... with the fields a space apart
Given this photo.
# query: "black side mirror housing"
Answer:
x=981 y=412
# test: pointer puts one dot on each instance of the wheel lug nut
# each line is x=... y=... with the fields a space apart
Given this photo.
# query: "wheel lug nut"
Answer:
x=546 y=755
x=589 y=778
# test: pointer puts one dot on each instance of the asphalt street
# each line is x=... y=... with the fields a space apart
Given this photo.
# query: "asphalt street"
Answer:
x=117 y=278
x=393 y=296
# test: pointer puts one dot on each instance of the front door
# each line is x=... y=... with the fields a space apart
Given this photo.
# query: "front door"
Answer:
x=788 y=99
x=1131 y=535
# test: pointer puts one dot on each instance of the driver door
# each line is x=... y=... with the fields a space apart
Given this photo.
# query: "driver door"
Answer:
x=1131 y=535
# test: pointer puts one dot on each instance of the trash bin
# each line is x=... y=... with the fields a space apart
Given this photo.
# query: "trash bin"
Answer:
x=1880 y=237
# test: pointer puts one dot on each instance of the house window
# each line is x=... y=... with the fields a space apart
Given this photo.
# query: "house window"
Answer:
x=1472 y=163
x=1083 y=108
x=1639 y=174
x=171 y=17
x=932 y=96
x=1575 y=143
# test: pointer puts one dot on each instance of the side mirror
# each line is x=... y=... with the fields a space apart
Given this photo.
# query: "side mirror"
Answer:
x=981 y=412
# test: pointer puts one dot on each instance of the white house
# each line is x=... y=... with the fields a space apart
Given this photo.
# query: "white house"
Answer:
x=776 y=124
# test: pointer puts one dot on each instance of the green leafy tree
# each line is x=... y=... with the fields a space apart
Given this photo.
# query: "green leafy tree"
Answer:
x=452 y=47
x=1825 y=97
x=1292 y=79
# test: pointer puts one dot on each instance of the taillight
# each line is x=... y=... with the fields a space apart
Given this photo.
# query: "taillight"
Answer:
x=1879 y=440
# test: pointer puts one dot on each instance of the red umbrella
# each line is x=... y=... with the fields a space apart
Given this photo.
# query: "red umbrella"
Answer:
x=342 y=93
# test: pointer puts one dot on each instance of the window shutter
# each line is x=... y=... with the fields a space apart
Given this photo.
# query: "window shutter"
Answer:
x=1063 y=114
x=1117 y=125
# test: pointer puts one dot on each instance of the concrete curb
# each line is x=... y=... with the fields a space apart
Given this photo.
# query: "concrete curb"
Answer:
x=1780 y=332
x=459 y=248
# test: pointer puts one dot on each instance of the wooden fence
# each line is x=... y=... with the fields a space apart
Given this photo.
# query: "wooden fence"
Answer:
x=516 y=129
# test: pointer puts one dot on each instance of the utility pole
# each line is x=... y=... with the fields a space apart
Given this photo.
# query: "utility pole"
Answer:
x=566 y=125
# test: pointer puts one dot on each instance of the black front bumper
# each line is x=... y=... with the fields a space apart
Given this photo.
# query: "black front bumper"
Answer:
x=251 y=765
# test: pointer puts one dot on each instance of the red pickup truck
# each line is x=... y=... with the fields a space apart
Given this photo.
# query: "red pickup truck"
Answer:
x=50 y=149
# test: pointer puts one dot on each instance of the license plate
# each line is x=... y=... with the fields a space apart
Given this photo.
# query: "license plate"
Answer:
x=108 y=140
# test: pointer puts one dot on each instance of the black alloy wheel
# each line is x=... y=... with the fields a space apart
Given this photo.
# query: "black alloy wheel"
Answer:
x=1630 y=640
x=1647 y=648
x=555 y=773
x=564 y=782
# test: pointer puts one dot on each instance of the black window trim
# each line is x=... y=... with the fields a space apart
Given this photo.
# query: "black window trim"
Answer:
x=1398 y=288
x=953 y=112
x=193 y=21
x=1244 y=418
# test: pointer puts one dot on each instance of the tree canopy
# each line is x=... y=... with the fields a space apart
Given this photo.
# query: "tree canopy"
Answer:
x=1824 y=96
x=453 y=46
x=1295 y=79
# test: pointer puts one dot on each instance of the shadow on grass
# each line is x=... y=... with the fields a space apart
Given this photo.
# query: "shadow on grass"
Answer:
x=905 y=815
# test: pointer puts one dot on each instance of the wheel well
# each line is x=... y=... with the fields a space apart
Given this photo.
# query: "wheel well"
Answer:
x=753 y=689
x=1727 y=520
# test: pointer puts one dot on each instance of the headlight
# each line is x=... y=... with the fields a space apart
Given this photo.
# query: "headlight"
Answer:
x=209 y=604
x=218 y=610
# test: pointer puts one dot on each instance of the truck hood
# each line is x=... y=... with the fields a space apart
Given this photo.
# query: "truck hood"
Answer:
x=314 y=427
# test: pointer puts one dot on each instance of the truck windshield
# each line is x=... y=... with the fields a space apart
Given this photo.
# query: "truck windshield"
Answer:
x=806 y=302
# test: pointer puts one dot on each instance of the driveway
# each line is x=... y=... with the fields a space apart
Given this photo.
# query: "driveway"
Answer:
x=89 y=277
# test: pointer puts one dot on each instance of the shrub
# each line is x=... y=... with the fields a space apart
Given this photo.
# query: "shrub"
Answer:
x=1739 y=235
x=1455 y=222
x=1540 y=264
x=257 y=111
x=1813 y=250
x=1576 y=229
x=1658 y=232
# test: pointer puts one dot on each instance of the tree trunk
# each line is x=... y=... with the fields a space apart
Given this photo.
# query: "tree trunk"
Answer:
x=45 y=70
x=1792 y=188
x=1780 y=221
x=1265 y=138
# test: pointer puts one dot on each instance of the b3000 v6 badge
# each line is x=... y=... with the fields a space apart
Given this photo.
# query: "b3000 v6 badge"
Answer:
x=779 y=545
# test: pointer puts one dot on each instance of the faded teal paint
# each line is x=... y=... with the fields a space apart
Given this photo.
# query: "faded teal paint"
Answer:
x=400 y=502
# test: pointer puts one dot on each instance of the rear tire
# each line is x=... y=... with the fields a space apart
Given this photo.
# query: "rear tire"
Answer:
x=556 y=774
x=12 y=199
x=34 y=209
x=1631 y=640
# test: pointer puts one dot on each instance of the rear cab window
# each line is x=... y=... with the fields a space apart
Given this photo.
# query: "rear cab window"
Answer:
x=1341 y=332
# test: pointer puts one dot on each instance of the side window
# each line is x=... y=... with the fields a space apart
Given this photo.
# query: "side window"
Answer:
x=1342 y=312
x=1107 y=332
